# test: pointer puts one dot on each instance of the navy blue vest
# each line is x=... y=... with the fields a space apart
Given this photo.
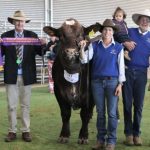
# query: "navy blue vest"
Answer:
x=105 y=60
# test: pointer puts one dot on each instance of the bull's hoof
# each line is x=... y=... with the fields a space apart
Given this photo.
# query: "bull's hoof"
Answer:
x=83 y=141
x=63 y=140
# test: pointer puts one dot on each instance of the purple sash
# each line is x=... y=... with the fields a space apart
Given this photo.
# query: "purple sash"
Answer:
x=17 y=41
x=1 y=61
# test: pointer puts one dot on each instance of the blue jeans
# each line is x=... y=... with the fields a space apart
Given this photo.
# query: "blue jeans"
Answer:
x=133 y=93
x=104 y=95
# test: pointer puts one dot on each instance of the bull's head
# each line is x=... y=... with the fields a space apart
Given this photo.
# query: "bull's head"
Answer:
x=70 y=34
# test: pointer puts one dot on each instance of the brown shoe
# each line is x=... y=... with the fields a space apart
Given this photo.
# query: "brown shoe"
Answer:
x=10 y=137
x=99 y=146
x=129 y=140
x=110 y=147
x=26 y=136
x=137 y=141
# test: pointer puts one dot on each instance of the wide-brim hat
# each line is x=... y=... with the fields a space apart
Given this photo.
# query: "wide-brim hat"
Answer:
x=135 y=17
x=109 y=23
x=18 y=15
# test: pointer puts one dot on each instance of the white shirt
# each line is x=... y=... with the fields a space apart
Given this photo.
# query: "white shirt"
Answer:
x=143 y=33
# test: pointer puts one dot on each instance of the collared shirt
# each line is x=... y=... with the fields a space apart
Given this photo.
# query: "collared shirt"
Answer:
x=22 y=35
x=88 y=55
x=112 y=42
x=143 y=33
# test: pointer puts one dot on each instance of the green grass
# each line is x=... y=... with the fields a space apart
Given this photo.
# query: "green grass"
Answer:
x=46 y=125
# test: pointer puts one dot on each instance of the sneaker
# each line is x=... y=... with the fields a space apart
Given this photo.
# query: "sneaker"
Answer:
x=26 y=136
x=110 y=147
x=129 y=140
x=10 y=137
x=99 y=146
x=137 y=141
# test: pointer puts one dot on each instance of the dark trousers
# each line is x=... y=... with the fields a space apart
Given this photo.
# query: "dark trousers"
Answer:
x=133 y=94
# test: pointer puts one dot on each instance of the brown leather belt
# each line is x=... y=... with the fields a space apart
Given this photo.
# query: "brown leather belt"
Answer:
x=107 y=78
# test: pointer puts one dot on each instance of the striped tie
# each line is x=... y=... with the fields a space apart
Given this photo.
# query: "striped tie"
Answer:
x=19 y=51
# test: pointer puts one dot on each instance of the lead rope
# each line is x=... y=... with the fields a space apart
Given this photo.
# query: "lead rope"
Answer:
x=88 y=72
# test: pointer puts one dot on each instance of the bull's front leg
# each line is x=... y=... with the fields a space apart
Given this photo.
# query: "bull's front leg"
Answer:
x=65 y=131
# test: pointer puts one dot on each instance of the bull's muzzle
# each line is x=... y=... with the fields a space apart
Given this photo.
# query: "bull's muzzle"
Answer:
x=71 y=53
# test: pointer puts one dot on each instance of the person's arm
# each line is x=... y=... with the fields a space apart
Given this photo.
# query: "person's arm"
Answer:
x=1 y=59
x=122 y=78
x=130 y=45
x=52 y=45
x=39 y=49
x=47 y=47
x=3 y=48
x=1 y=40
x=121 y=66
x=86 y=56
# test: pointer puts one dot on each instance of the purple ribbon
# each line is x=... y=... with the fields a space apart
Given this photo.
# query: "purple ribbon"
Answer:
x=20 y=41
x=17 y=41
x=1 y=61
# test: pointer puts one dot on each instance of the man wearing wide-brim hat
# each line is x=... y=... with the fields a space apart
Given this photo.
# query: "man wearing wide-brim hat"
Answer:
x=136 y=77
x=18 y=15
x=19 y=74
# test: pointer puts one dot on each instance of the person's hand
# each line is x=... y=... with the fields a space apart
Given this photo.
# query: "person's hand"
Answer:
x=43 y=41
x=82 y=44
x=1 y=40
x=118 y=90
x=53 y=38
x=52 y=46
x=130 y=45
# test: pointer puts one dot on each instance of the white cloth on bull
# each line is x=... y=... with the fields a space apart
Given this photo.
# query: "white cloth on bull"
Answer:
x=73 y=78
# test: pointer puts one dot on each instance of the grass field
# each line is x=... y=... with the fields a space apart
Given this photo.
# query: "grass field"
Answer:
x=46 y=124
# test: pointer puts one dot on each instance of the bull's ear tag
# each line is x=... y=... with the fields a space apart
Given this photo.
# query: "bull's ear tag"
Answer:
x=91 y=34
